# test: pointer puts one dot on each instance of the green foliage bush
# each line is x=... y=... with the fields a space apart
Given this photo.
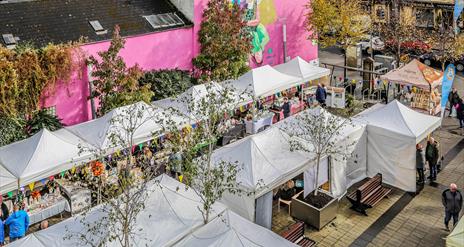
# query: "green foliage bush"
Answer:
x=167 y=83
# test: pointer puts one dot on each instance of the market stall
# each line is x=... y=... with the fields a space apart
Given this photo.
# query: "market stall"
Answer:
x=139 y=116
x=261 y=82
x=40 y=156
x=308 y=74
x=79 y=197
x=393 y=130
x=341 y=172
x=419 y=84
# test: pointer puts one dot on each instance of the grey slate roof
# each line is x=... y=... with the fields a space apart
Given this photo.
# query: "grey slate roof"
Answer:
x=57 y=21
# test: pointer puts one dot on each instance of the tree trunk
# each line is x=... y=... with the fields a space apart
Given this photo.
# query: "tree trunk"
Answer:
x=317 y=175
x=398 y=53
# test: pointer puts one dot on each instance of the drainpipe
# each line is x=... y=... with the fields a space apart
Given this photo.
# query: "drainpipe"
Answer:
x=284 y=31
x=92 y=100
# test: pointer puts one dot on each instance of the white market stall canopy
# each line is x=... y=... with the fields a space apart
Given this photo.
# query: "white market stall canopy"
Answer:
x=298 y=67
x=262 y=81
x=398 y=118
x=42 y=155
x=170 y=213
x=266 y=160
x=416 y=74
x=187 y=103
x=139 y=116
x=456 y=237
x=393 y=130
x=230 y=229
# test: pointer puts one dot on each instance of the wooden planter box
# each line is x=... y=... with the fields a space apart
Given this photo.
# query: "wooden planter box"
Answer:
x=311 y=215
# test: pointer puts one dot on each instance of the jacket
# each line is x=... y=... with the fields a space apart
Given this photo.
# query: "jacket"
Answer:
x=2 y=232
x=420 y=159
x=453 y=98
x=286 y=107
x=5 y=212
x=18 y=223
x=431 y=153
x=460 y=111
x=452 y=201
x=320 y=94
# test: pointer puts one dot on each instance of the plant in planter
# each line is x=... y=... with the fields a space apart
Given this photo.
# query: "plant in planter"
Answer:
x=317 y=134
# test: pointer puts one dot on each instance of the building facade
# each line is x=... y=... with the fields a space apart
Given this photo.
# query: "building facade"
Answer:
x=424 y=13
x=159 y=35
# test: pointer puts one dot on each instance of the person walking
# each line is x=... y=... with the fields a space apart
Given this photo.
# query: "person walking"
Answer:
x=320 y=95
x=420 y=163
x=460 y=112
x=453 y=98
x=431 y=156
x=452 y=201
x=286 y=108
x=18 y=222
x=4 y=213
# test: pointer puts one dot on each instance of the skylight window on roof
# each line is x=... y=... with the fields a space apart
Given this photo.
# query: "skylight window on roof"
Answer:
x=164 y=20
x=97 y=27
x=9 y=39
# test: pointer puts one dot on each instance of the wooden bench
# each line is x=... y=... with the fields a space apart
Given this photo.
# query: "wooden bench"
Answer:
x=295 y=234
x=368 y=194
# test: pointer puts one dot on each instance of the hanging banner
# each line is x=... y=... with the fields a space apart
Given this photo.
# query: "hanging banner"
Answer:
x=446 y=85
x=458 y=6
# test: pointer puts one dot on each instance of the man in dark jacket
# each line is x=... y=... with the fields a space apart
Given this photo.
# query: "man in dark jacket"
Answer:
x=320 y=95
x=460 y=113
x=420 y=163
x=452 y=201
x=453 y=98
x=431 y=155
x=5 y=214
x=286 y=107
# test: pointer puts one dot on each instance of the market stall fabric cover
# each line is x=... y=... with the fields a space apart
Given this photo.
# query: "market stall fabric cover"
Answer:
x=230 y=229
x=416 y=74
x=262 y=81
x=170 y=213
x=98 y=132
x=298 y=67
x=393 y=130
x=44 y=154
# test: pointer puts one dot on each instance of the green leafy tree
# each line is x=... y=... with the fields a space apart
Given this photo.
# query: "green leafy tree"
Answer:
x=115 y=84
x=12 y=130
x=340 y=23
x=123 y=200
x=209 y=178
x=225 y=43
x=167 y=83
x=42 y=119
x=316 y=134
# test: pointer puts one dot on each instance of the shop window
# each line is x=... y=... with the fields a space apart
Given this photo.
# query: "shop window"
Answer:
x=424 y=18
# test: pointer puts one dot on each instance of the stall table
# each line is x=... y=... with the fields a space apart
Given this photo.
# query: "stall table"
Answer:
x=53 y=205
x=254 y=126
x=79 y=197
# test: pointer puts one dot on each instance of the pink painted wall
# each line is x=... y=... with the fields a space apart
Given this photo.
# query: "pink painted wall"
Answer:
x=176 y=48
x=164 y=50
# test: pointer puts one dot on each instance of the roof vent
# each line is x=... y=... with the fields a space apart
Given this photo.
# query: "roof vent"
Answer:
x=10 y=40
x=97 y=27
x=164 y=20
